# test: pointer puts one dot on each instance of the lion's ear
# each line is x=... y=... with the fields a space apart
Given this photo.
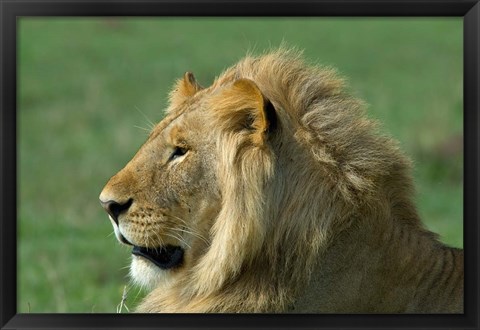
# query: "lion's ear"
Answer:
x=185 y=88
x=189 y=85
x=243 y=106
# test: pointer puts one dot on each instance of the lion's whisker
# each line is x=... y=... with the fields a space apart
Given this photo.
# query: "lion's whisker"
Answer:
x=142 y=128
x=152 y=125
x=186 y=231
x=176 y=217
x=178 y=237
x=192 y=233
x=125 y=267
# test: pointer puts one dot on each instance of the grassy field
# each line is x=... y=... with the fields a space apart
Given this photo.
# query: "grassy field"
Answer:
x=86 y=85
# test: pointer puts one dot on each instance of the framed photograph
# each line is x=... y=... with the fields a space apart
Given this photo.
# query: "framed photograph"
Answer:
x=368 y=110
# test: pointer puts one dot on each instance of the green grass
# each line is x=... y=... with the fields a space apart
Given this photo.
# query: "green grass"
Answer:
x=84 y=84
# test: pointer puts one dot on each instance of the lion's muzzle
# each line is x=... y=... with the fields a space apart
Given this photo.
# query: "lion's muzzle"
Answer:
x=164 y=257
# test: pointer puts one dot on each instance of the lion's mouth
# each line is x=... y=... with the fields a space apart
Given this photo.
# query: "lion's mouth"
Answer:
x=166 y=257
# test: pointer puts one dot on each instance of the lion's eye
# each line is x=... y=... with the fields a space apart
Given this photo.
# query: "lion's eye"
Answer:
x=177 y=152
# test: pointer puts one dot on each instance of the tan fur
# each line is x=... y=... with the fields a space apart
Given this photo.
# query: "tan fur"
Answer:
x=288 y=200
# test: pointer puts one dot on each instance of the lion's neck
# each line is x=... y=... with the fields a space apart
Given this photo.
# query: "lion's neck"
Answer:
x=363 y=271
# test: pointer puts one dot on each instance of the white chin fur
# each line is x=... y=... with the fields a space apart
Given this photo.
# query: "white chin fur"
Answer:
x=147 y=275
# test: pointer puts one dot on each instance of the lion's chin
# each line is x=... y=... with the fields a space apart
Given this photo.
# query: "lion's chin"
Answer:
x=147 y=275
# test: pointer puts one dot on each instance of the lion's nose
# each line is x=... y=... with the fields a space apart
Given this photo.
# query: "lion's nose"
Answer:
x=115 y=208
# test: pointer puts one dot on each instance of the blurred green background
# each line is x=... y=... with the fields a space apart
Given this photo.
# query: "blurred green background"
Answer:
x=87 y=86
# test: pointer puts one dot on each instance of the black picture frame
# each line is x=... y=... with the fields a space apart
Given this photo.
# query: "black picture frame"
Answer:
x=11 y=10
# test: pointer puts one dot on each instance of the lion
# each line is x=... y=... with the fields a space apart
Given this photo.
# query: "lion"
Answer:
x=271 y=192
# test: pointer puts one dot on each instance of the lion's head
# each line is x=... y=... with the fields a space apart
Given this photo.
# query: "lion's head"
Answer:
x=167 y=200
x=237 y=191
